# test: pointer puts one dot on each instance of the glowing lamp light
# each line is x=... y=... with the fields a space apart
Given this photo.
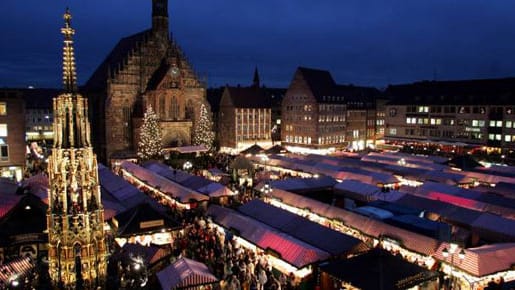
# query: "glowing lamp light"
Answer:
x=461 y=254
x=137 y=266
x=445 y=252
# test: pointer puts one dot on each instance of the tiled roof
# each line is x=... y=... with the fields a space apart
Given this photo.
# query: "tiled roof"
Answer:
x=476 y=92
x=99 y=78
x=249 y=97
x=324 y=88
x=39 y=98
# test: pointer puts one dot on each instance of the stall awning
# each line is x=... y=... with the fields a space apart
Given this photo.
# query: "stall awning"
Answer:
x=164 y=185
x=16 y=269
x=324 y=238
x=378 y=267
x=290 y=249
x=368 y=226
x=482 y=261
x=194 y=182
x=185 y=273
x=143 y=218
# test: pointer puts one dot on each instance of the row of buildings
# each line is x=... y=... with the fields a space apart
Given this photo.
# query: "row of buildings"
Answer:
x=318 y=115
x=313 y=114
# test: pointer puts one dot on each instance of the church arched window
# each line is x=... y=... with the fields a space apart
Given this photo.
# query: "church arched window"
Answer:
x=190 y=112
x=162 y=107
x=175 y=108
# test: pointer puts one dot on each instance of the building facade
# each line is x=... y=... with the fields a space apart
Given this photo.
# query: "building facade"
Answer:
x=245 y=118
x=77 y=252
x=39 y=117
x=144 y=68
x=320 y=115
x=12 y=134
x=472 y=113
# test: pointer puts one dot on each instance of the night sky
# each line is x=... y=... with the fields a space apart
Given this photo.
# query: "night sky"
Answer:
x=360 y=42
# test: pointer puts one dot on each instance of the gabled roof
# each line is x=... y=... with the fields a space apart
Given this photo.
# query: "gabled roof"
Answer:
x=254 y=149
x=132 y=221
x=185 y=273
x=324 y=88
x=99 y=78
x=28 y=216
x=249 y=97
x=40 y=98
x=378 y=267
x=482 y=261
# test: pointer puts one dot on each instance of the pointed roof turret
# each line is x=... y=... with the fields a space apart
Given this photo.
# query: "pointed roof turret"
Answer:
x=255 y=81
x=69 y=72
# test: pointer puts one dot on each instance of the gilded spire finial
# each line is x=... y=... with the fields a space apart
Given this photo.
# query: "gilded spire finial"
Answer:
x=69 y=73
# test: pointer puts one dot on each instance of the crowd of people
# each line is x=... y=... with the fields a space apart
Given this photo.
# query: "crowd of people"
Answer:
x=236 y=267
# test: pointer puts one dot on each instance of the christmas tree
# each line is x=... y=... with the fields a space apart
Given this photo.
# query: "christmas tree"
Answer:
x=149 y=145
x=203 y=134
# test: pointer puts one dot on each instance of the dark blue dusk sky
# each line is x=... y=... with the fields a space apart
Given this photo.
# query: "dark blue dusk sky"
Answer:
x=359 y=41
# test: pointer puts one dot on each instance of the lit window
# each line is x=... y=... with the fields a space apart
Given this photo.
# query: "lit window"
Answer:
x=3 y=130
x=475 y=123
x=491 y=136
x=392 y=131
x=508 y=124
x=498 y=137
x=507 y=138
x=492 y=123
x=3 y=108
x=499 y=124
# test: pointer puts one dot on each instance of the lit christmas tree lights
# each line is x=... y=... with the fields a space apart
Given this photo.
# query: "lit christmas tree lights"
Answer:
x=203 y=134
x=149 y=145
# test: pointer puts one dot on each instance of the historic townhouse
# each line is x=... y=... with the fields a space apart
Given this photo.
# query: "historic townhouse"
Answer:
x=318 y=114
x=455 y=113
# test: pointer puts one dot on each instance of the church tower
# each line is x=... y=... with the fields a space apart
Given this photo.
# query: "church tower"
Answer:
x=77 y=249
x=160 y=17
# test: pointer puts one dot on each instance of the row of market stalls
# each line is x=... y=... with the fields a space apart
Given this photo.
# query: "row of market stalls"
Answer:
x=396 y=168
x=169 y=192
x=298 y=245
x=477 y=267
x=428 y=208
x=215 y=191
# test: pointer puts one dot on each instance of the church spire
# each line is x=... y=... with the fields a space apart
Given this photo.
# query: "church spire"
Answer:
x=69 y=73
x=255 y=81
x=160 y=17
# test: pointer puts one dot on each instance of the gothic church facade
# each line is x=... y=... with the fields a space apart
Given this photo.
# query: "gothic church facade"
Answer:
x=146 y=68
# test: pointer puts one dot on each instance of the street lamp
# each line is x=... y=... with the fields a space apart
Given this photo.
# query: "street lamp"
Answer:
x=450 y=252
x=264 y=158
x=266 y=189
x=187 y=166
